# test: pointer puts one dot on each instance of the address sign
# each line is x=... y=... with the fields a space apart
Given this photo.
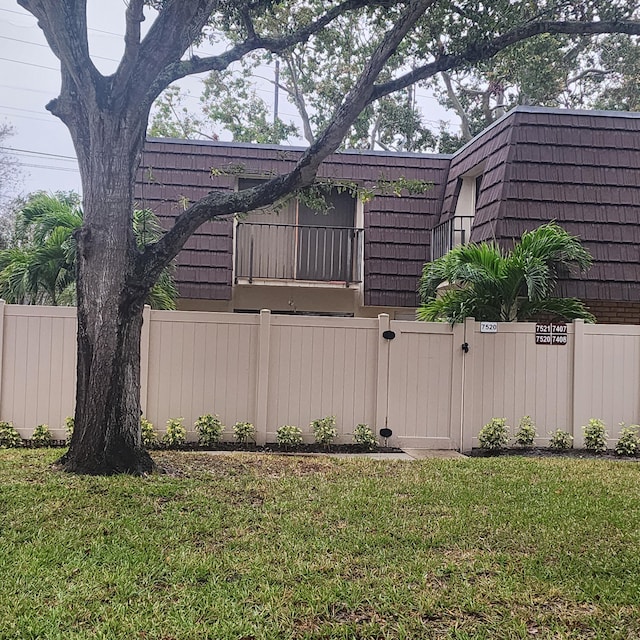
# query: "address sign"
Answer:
x=551 y=333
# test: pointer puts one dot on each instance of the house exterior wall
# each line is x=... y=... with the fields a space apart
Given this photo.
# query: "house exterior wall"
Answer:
x=580 y=169
x=397 y=230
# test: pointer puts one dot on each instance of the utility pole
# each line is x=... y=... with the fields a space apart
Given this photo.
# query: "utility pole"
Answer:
x=275 y=95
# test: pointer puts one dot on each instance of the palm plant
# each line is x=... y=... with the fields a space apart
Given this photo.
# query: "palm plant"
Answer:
x=40 y=267
x=488 y=283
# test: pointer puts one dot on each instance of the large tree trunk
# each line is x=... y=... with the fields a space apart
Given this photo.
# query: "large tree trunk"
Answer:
x=106 y=437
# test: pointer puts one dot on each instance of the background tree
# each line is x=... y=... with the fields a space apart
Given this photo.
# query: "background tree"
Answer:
x=555 y=70
x=107 y=117
x=9 y=179
x=485 y=282
x=40 y=265
x=550 y=71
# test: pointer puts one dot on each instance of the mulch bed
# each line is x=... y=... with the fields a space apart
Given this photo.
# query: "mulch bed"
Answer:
x=545 y=452
x=270 y=447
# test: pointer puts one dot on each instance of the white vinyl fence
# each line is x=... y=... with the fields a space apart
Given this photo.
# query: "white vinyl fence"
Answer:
x=434 y=385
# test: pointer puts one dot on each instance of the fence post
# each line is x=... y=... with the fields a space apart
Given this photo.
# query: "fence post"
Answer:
x=262 y=377
x=382 y=386
x=579 y=399
x=466 y=389
x=2 y=306
x=144 y=357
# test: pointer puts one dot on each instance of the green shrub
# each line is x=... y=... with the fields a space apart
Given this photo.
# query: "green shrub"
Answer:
x=243 y=432
x=363 y=435
x=526 y=434
x=324 y=430
x=560 y=440
x=9 y=437
x=494 y=435
x=595 y=436
x=41 y=436
x=176 y=434
x=148 y=433
x=629 y=442
x=209 y=430
x=69 y=424
x=289 y=436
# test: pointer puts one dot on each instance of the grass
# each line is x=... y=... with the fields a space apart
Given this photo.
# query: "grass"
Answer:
x=254 y=547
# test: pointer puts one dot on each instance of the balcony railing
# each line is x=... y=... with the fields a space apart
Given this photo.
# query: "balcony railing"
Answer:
x=450 y=234
x=296 y=252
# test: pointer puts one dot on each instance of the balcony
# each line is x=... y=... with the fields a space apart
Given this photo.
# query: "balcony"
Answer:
x=449 y=234
x=266 y=251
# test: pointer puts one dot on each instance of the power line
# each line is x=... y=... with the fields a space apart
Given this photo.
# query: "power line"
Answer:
x=30 y=64
x=39 y=113
x=51 y=167
x=44 y=46
x=41 y=153
x=29 y=15
x=10 y=86
x=17 y=115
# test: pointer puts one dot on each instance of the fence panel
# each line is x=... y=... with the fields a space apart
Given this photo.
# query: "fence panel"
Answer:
x=202 y=363
x=273 y=370
x=425 y=384
x=611 y=376
x=320 y=367
x=38 y=367
x=507 y=375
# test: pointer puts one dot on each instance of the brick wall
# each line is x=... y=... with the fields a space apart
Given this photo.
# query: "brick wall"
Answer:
x=615 y=312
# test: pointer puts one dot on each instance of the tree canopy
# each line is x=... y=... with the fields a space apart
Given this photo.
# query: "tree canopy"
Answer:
x=485 y=282
x=546 y=70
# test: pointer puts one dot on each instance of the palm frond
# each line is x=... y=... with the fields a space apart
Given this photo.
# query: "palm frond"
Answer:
x=487 y=283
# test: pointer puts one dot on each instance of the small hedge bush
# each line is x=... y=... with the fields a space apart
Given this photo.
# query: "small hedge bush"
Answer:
x=150 y=438
x=243 y=432
x=69 y=424
x=560 y=440
x=9 y=437
x=595 y=436
x=41 y=436
x=209 y=430
x=289 y=436
x=526 y=433
x=324 y=430
x=176 y=435
x=494 y=435
x=629 y=442
x=363 y=436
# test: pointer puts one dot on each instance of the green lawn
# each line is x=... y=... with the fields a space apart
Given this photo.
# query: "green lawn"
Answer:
x=250 y=547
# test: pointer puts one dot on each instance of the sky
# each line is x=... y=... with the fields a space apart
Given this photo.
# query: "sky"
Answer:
x=30 y=77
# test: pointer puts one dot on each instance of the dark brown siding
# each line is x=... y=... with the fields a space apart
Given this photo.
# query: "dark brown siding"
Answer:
x=490 y=150
x=397 y=229
x=583 y=170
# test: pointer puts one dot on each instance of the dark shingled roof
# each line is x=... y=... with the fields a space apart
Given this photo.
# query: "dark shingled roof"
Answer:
x=581 y=168
x=398 y=230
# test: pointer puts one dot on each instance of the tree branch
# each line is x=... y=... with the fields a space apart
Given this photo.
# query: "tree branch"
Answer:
x=457 y=105
x=134 y=17
x=298 y=99
x=175 y=28
x=220 y=62
x=478 y=51
x=64 y=24
x=217 y=204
